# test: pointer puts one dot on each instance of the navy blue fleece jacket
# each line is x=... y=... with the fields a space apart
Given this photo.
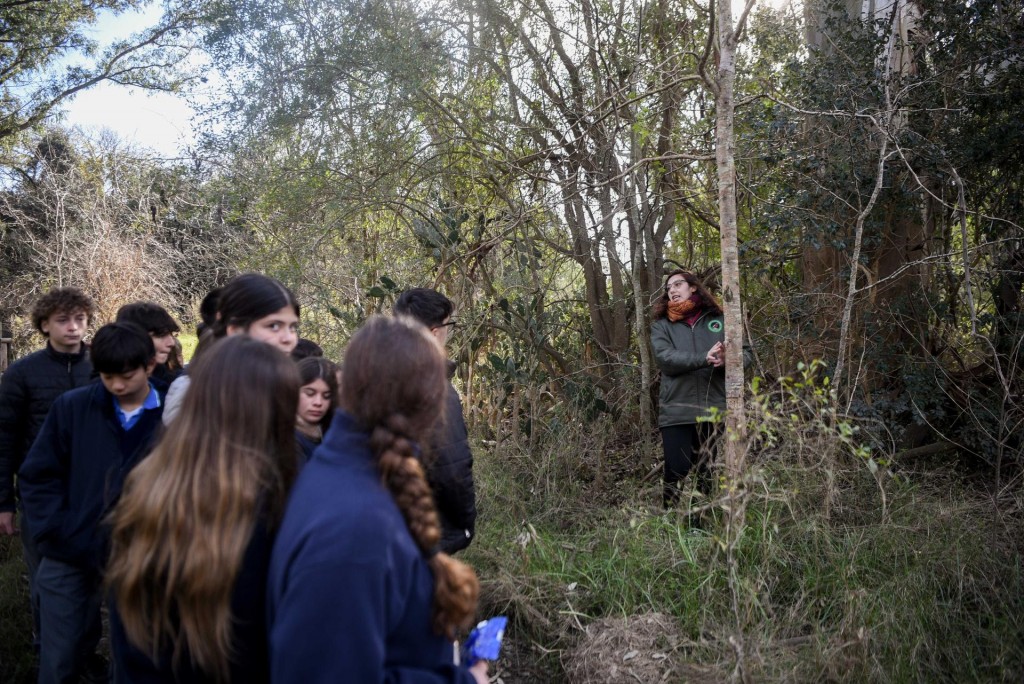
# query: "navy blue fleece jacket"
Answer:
x=75 y=471
x=349 y=593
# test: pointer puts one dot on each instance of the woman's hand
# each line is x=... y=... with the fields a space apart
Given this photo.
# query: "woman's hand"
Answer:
x=479 y=672
x=716 y=355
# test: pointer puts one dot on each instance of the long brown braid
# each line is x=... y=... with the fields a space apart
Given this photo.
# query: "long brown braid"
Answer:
x=394 y=384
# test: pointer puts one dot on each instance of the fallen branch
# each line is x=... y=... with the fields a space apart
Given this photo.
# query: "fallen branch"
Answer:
x=926 y=450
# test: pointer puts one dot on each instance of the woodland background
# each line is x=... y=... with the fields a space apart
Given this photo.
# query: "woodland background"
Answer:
x=544 y=163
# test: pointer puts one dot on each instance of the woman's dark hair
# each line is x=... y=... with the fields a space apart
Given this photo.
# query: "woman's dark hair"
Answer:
x=66 y=300
x=710 y=304
x=246 y=298
x=121 y=348
x=394 y=383
x=314 y=368
x=180 y=532
x=151 y=317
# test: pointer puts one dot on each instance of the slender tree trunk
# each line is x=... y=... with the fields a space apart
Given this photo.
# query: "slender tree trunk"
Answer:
x=851 y=289
x=725 y=152
x=735 y=440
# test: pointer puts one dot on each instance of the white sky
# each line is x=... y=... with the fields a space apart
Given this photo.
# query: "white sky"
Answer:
x=161 y=122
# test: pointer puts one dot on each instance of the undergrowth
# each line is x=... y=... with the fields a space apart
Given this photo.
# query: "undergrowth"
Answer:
x=16 y=659
x=849 y=569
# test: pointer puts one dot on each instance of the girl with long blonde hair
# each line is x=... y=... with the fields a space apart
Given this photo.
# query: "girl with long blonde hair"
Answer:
x=193 y=531
x=357 y=590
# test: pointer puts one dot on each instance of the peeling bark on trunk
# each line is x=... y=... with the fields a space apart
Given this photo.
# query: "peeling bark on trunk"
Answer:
x=725 y=152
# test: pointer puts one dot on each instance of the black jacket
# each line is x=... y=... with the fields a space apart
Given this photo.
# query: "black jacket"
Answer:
x=450 y=473
x=75 y=471
x=28 y=389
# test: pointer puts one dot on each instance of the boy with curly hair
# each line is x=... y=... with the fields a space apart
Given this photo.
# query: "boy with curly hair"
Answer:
x=27 y=390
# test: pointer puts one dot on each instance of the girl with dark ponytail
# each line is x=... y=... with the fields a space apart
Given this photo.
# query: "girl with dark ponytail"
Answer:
x=250 y=304
x=357 y=590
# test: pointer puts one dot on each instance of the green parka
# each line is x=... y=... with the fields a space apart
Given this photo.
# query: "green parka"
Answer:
x=689 y=385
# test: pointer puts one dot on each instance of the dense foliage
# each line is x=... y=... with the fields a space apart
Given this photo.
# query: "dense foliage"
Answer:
x=544 y=162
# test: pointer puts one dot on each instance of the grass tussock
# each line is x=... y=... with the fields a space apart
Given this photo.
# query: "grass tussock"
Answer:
x=16 y=660
x=846 y=568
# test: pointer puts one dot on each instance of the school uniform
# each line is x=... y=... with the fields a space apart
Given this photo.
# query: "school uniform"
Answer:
x=248 y=663
x=349 y=595
x=70 y=480
x=27 y=391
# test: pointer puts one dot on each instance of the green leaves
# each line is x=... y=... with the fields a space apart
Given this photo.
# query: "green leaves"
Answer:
x=39 y=34
x=390 y=288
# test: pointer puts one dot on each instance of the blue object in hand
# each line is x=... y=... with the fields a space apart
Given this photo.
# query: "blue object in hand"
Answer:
x=484 y=642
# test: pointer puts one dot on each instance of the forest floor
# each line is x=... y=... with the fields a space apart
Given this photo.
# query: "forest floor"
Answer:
x=837 y=575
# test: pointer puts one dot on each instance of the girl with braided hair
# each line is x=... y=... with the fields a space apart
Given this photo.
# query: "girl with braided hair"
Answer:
x=357 y=590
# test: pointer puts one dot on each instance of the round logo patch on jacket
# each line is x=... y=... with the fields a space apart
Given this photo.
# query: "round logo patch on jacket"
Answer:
x=715 y=326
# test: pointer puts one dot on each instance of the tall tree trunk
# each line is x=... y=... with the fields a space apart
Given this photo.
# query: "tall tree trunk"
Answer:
x=735 y=440
x=725 y=152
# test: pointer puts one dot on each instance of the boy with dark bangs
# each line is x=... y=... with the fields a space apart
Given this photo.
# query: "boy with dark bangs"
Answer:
x=27 y=390
x=72 y=476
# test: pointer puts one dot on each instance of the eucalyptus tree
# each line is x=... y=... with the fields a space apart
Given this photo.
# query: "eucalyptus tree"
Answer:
x=896 y=181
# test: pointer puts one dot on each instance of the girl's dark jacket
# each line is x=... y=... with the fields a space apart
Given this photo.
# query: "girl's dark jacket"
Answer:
x=249 y=662
x=690 y=386
x=350 y=595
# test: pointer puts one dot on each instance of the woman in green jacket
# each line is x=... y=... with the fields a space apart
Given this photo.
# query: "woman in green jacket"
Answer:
x=688 y=337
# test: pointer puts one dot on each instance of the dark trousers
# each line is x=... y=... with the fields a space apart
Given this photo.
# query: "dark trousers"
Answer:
x=687 y=447
x=70 y=624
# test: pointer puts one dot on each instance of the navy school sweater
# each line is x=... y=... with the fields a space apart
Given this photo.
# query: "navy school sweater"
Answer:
x=248 y=663
x=75 y=471
x=349 y=595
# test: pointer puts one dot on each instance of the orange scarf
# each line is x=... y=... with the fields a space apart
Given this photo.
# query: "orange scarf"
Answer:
x=677 y=311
